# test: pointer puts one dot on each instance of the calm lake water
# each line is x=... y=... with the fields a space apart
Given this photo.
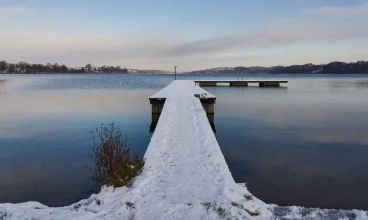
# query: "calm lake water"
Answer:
x=305 y=144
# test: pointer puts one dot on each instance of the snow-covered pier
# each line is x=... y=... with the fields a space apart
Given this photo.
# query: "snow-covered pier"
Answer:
x=178 y=90
x=185 y=159
x=185 y=177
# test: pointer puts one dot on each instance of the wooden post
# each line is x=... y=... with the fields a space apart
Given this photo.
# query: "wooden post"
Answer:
x=157 y=105
x=209 y=107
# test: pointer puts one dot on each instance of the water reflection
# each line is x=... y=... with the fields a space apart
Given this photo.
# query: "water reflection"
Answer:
x=2 y=86
x=346 y=85
x=301 y=145
x=45 y=142
x=293 y=147
x=75 y=103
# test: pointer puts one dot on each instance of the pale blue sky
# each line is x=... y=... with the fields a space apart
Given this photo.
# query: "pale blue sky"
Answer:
x=193 y=34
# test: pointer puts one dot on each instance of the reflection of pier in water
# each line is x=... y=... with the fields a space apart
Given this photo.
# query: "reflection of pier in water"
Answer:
x=2 y=82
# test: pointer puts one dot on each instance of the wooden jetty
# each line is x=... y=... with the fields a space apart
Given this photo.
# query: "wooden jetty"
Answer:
x=188 y=88
x=261 y=83
x=183 y=89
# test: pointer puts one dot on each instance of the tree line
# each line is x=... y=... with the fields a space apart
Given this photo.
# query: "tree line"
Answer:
x=333 y=67
x=336 y=67
x=27 y=68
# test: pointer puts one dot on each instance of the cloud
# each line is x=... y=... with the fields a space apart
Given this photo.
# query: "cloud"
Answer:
x=78 y=49
x=339 y=10
x=242 y=47
x=160 y=52
x=9 y=14
x=269 y=37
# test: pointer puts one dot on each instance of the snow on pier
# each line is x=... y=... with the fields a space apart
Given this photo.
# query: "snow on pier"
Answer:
x=179 y=89
x=185 y=151
x=185 y=177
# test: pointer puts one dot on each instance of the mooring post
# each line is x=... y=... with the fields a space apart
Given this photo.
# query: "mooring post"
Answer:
x=209 y=107
x=157 y=105
x=175 y=70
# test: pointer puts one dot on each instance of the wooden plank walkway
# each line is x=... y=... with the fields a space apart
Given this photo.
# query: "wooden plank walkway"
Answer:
x=182 y=89
x=184 y=149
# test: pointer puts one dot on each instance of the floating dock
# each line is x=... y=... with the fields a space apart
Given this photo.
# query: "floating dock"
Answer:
x=261 y=83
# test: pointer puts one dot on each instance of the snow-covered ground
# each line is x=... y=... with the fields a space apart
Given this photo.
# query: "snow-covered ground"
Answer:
x=185 y=177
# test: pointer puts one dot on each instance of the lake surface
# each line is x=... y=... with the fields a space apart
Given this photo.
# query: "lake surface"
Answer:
x=305 y=144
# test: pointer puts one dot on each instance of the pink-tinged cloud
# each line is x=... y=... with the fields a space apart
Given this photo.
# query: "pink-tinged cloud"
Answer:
x=283 y=41
x=339 y=10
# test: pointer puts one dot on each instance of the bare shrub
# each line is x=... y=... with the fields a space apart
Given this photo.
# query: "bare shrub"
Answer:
x=114 y=164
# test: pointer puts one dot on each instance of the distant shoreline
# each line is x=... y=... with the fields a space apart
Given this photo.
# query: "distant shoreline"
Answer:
x=70 y=73
x=53 y=73
x=336 y=67
x=185 y=73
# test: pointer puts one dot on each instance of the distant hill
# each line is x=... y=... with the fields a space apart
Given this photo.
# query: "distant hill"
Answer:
x=333 y=67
